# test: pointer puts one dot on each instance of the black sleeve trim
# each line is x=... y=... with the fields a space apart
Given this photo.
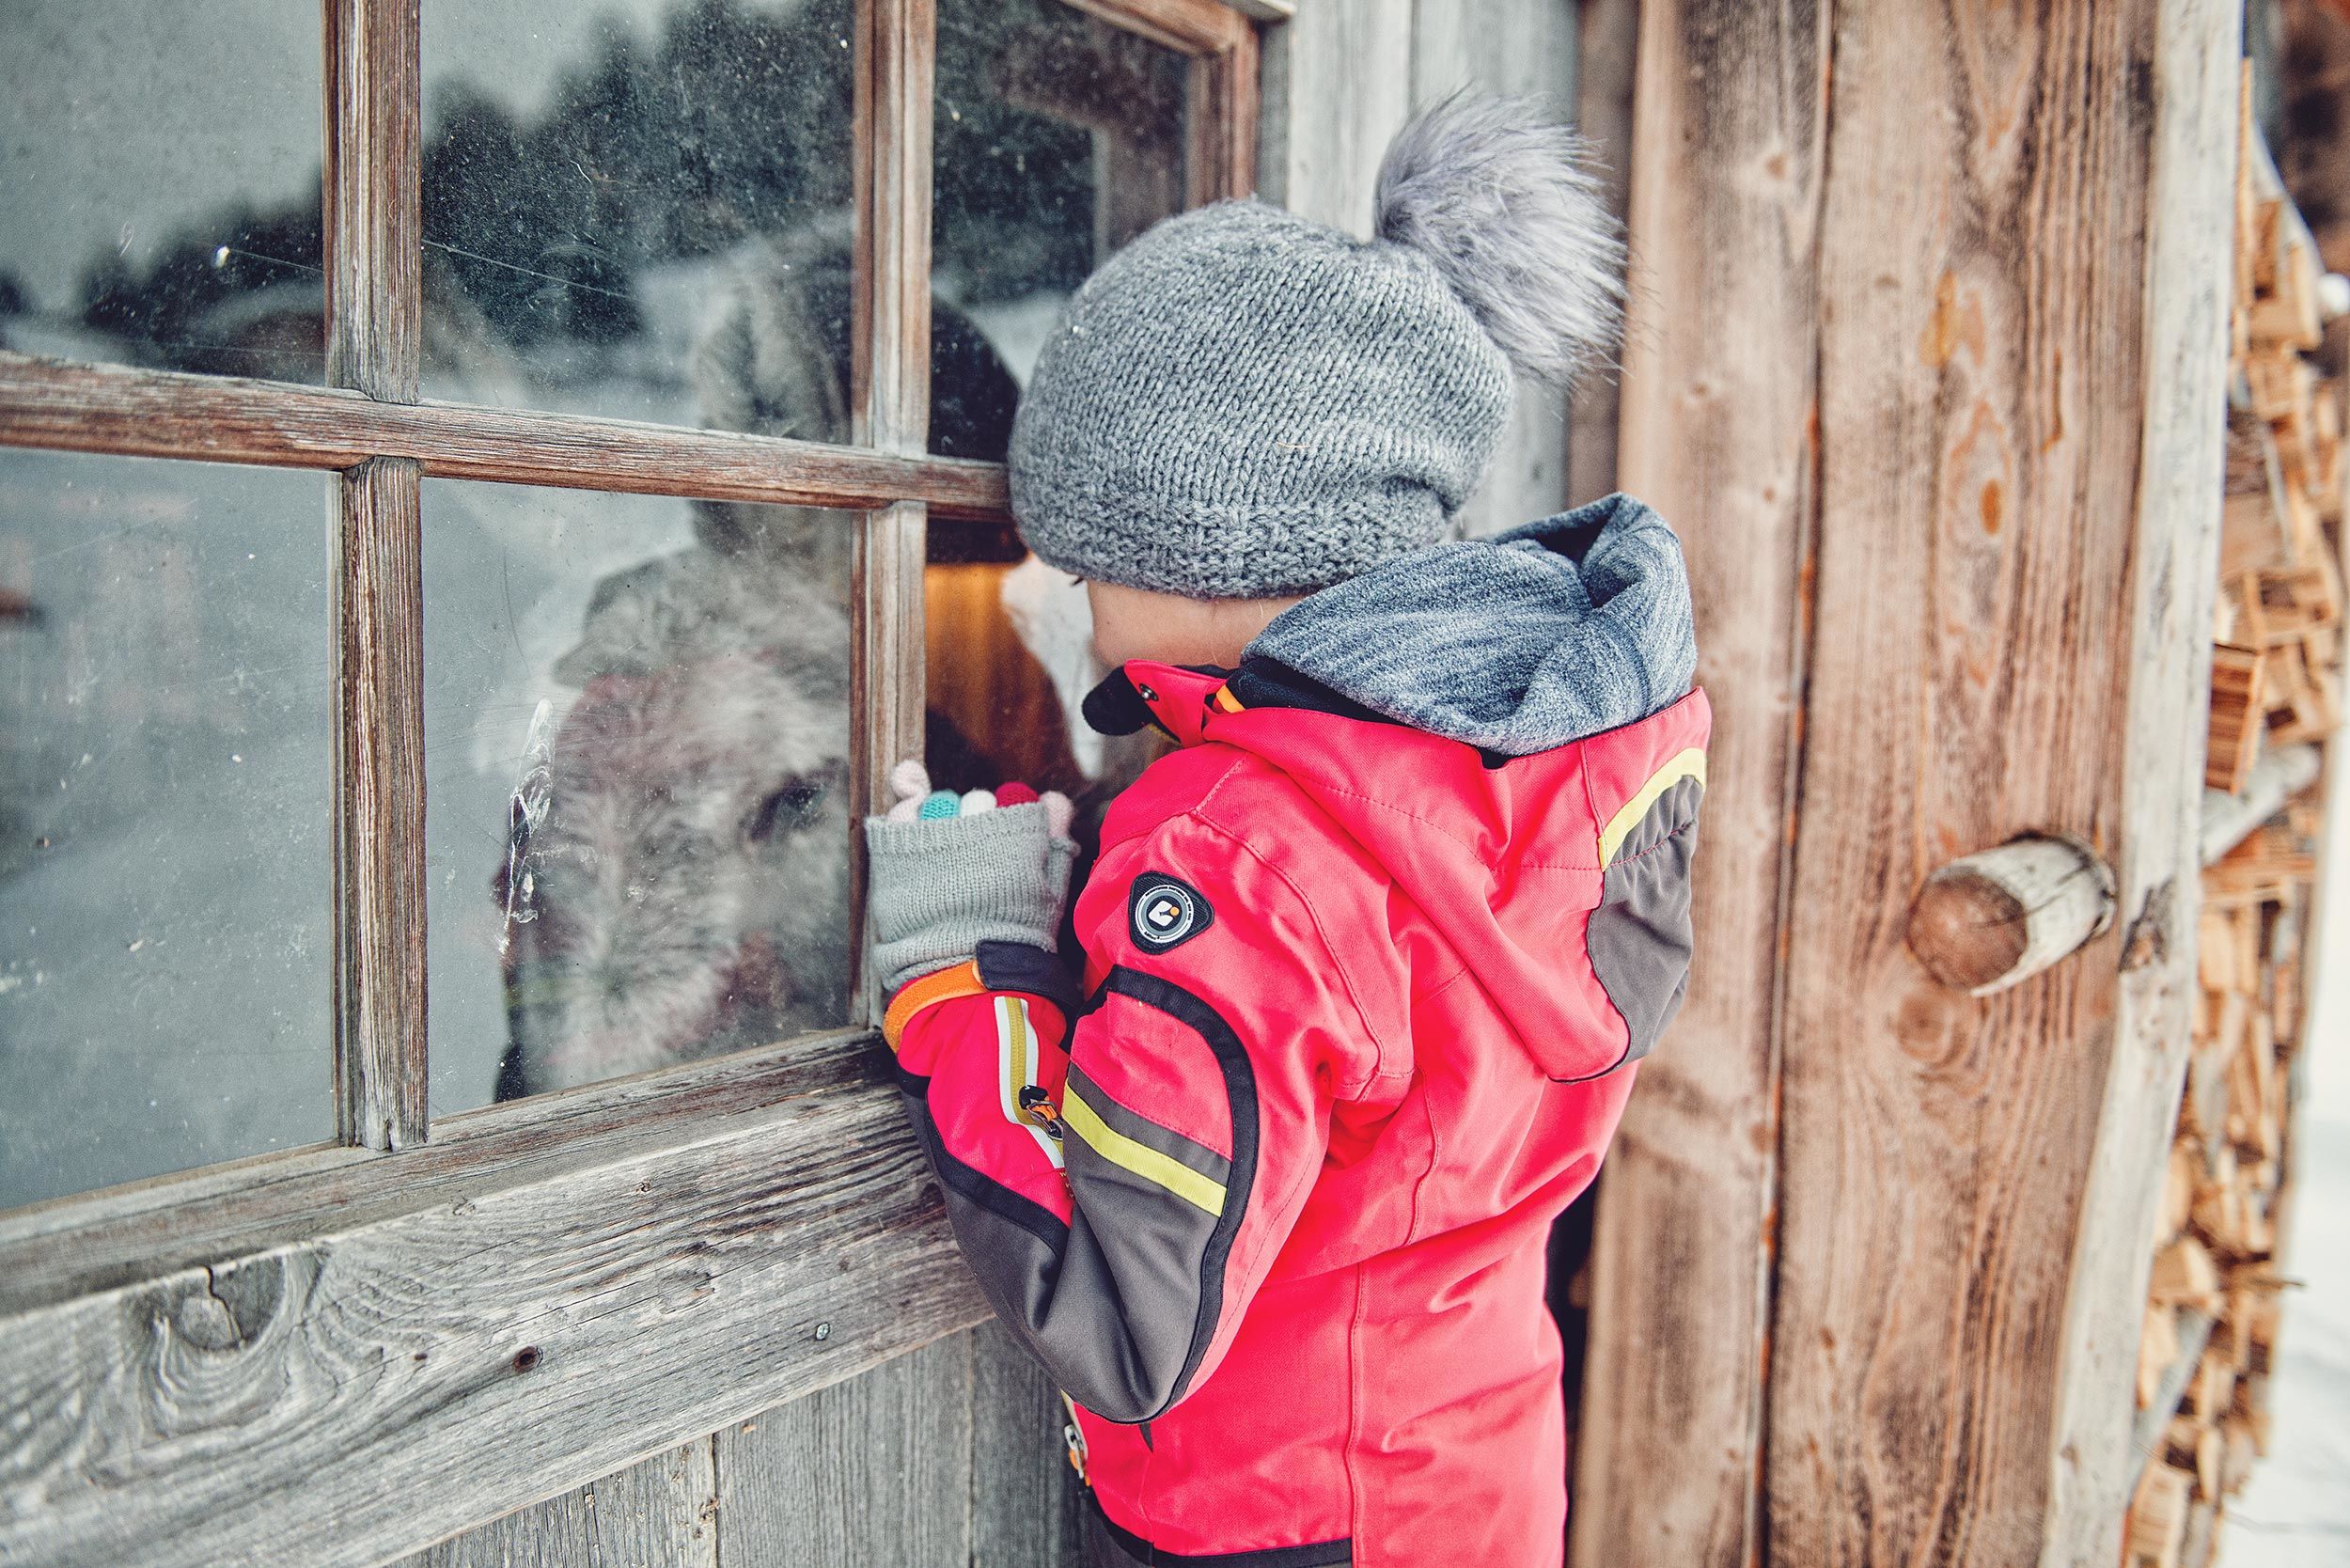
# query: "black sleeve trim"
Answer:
x=1240 y=1087
x=1019 y=967
x=968 y=1181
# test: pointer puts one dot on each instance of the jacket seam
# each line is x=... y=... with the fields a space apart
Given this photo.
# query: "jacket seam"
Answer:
x=1348 y=1089
x=1439 y=989
x=1154 y=824
x=1355 y=1524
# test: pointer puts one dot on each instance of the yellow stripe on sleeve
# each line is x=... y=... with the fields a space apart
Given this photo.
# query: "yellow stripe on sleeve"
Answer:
x=1685 y=765
x=1201 y=1192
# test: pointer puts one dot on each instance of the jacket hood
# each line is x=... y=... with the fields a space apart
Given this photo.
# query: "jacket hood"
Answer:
x=1503 y=709
x=1516 y=644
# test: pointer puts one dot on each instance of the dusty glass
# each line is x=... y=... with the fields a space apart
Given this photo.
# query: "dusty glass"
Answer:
x=159 y=184
x=1058 y=137
x=165 y=750
x=643 y=211
x=636 y=740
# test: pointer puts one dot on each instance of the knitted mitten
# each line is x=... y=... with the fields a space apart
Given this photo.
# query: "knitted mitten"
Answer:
x=941 y=884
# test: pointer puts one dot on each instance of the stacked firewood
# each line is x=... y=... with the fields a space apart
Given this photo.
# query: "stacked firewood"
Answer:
x=2212 y=1308
x=2277 y=660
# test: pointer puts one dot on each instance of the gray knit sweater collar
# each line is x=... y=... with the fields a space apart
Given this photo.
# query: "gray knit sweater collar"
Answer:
x=1513 y=644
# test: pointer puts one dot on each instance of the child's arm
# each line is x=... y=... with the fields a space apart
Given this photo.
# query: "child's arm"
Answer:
x=1121 y=1188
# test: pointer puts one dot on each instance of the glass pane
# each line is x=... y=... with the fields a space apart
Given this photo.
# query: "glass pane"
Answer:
x=1058 y=138
x=159 y=184
x=636 y=750
x=641 y=211
x=165 y=746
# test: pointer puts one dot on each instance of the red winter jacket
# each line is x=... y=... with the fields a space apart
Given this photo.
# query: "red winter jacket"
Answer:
x=1268 y=1190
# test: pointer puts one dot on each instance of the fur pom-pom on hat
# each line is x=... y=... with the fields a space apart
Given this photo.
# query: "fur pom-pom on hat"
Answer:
x=1499 y=197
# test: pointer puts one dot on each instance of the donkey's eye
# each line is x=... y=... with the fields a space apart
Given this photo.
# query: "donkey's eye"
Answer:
x=790 y=807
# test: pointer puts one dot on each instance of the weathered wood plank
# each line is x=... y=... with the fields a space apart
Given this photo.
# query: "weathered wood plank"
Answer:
x=1718 y=434
x=1606 y=57
x=659 y=1512
x=1220 y=111
x=381 y=1078
x=2009 y=586
x=1189 y=26
x=896 y=41
x=1523 y=49
x=105 y=1240
x=2174 y=550
x=112 y=408
x=1024 y=1494
x=468 y=1348
x=874 y=1472
x=374 y=337
x=373 y=197
x=1337 y=87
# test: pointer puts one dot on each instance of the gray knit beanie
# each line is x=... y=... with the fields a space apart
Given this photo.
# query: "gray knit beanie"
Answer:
x=1243 y=403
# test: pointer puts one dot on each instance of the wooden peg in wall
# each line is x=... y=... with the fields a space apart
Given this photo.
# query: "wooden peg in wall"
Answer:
x=1984 y=922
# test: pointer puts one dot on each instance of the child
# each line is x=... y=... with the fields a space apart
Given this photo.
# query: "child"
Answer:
x=1368 y=960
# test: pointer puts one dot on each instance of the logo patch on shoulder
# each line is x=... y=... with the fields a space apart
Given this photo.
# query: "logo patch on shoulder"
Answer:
x=1166 y=912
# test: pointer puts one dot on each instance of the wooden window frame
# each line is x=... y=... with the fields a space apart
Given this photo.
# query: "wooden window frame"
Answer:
x=344 y=1352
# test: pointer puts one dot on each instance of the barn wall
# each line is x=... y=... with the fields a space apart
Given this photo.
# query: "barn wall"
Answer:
x=949 y=1455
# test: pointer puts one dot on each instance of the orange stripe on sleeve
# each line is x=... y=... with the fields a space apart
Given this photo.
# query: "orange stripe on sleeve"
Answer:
x=931 y=990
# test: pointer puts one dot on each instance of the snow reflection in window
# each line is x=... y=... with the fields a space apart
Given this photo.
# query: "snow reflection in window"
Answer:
x=165 y=746
x=159 y=184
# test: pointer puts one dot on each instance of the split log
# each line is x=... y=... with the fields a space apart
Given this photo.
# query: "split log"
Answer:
x=1993 y=919
x=2237 y=718
x=2157 y=1518
x=2185 y=1275
x=2198 y=1451
x=2278 y=776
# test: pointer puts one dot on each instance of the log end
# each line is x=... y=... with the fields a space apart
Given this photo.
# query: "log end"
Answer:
x=1967 y=929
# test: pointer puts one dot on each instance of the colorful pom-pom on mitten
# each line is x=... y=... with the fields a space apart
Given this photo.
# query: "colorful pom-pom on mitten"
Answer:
x=910 y=780
x=954 y=877
x=1015 y=795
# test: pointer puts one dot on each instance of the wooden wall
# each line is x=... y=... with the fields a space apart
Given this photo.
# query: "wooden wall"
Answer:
x=949 y=1455
x=1927 y=364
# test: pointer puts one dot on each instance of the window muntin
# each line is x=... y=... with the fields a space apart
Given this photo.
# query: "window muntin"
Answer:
x=159 y=184
x=638 y=748
x=165 y=951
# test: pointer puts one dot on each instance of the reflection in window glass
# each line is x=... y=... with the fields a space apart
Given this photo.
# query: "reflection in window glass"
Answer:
x=1058 y=138
x=642 y=210
x=166 y=747
x=159 y=184
x=637 y=747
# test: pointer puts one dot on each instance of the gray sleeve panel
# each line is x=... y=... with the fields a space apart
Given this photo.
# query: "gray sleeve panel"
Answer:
x=1118 y=1302
x=1639 y=937
x=1174 y=1145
